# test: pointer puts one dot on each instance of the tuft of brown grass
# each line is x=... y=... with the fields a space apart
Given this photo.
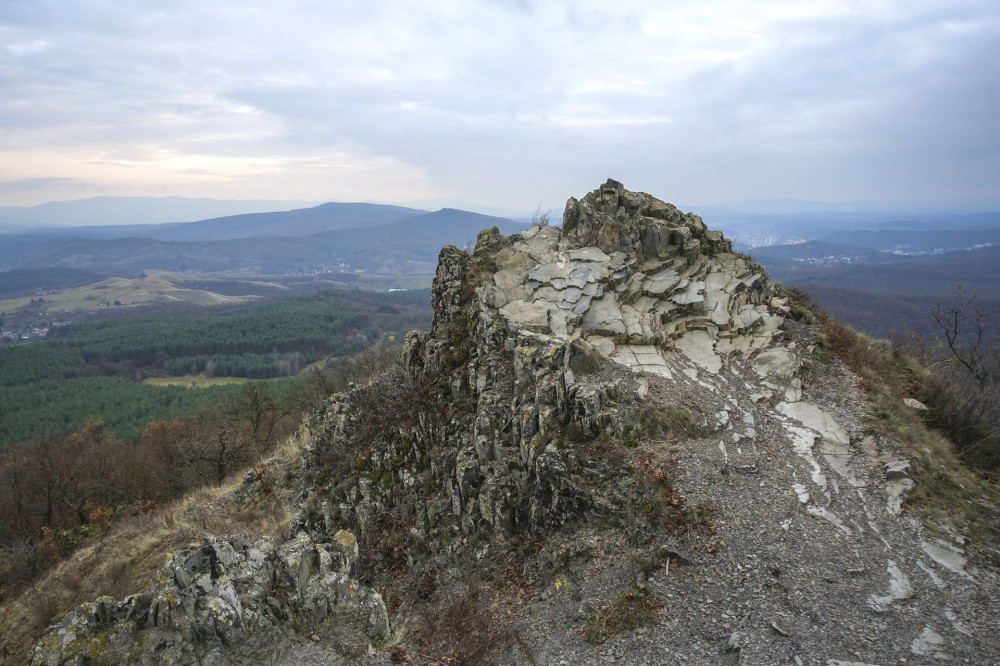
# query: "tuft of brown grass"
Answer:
x=633 y=609
x=661 y=421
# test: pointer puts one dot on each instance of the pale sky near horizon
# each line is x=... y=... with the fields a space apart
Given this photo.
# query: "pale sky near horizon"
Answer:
x=503 y=104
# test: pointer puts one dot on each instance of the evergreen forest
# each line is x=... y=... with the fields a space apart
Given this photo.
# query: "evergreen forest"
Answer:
x=95 y=369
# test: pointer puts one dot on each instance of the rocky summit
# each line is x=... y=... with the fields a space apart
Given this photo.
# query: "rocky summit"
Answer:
x=615 y=445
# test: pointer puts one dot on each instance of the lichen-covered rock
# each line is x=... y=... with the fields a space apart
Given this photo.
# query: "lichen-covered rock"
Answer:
x=226 y=601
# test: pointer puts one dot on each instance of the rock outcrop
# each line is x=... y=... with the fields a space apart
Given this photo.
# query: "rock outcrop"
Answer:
x=629 y=269
x=520 y=328
x=228 y=600
x=627 y=394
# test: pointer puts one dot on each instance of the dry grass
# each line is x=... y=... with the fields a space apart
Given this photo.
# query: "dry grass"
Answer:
x=662 y=422
x=127 y=559
x=633 y=609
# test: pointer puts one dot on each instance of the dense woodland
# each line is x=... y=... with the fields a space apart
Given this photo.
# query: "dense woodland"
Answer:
x=312 y=326
x=58 y=492
x=29 y=280
x=92 y=369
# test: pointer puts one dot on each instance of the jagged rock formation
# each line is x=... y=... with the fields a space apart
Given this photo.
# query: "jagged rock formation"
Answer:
x=227 y=600
x=627 y=268
x=519 y=330
x=627 y=393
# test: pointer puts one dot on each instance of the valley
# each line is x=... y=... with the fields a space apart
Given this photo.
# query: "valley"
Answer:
x=886 y=282
x=29 y=314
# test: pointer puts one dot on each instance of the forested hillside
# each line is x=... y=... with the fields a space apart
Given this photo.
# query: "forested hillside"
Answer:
x=268 y=339
x=884 y=294
x=94 y=369
x=28 y=280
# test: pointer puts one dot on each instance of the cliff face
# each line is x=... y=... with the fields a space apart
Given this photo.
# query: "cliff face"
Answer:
x=617 y=408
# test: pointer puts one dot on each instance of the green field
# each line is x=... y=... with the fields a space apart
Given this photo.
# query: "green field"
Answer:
x=194 y=381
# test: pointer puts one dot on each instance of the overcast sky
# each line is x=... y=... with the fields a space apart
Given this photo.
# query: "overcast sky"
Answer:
x=499 y=104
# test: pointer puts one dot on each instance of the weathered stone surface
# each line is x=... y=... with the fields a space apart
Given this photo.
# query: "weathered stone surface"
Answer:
x=632 y=268
x=898 y=484
x=226 y=601
x=779 y=367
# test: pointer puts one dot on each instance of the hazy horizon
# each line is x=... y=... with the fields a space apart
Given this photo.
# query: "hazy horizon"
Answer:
x=118 y=211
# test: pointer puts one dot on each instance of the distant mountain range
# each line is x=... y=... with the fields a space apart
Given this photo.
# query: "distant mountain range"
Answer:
x=100 y=211
x=331 y=237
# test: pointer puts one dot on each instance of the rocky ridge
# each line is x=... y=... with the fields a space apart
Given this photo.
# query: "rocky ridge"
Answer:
x=627 y=395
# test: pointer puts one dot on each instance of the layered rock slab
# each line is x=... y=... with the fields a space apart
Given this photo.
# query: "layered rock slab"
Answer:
x=629 y=269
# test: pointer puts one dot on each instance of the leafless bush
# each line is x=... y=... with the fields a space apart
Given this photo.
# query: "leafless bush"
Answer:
x=19 y=565
x=961 y=387
x=969 y=336
x=967 y=411
x=540 y=219
x=43 y=606
x=382 y=549
x=384 y=400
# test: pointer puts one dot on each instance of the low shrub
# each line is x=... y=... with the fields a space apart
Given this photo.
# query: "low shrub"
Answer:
x=633 y=609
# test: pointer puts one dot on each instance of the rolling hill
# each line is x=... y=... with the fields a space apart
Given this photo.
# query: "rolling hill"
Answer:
x=132 y=210
x=327 y=238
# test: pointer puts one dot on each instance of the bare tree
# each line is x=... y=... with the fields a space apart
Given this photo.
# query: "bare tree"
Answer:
x=235 y=433
x=966 y=326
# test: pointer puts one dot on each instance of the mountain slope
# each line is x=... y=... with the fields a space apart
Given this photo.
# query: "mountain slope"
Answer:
x=304 y=222
x=613 y=444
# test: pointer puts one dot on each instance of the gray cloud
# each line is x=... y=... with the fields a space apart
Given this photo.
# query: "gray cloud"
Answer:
x=511 y=102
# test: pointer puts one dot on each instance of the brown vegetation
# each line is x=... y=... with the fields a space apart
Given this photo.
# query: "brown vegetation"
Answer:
x=129 y=554
x=58 y=494
x=633 y=609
